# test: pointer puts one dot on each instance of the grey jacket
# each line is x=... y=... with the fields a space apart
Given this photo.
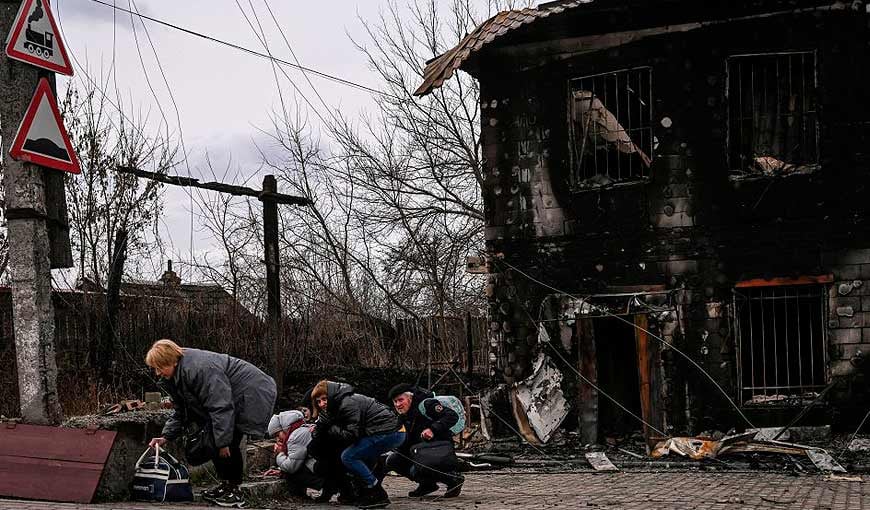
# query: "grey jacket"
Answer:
x=297 y=451
x=228 y=392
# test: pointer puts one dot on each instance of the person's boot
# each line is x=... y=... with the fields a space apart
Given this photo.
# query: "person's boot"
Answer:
x=232 y=498
x=373 y=497
x=454 y=485
x=423 y=488
x=215 y=492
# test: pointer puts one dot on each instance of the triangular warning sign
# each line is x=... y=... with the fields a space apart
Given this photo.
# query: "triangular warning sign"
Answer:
x=34 y=38
x=41 y=137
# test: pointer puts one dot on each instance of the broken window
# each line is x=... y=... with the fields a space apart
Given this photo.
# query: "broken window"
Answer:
x=611 y=127
x=772 y=113
x=781 y=341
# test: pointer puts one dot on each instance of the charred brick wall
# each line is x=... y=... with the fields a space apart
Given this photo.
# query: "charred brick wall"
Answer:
x=691 y=226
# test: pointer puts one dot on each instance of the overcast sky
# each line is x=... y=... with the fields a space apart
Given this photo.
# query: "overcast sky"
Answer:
x=223 y=96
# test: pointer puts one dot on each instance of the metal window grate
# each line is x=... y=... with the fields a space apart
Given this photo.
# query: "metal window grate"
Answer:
x=781 y=340
x=610 y=127
x=772 y=111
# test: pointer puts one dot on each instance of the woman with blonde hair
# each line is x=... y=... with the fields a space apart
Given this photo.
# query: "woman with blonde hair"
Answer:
x=225 y=396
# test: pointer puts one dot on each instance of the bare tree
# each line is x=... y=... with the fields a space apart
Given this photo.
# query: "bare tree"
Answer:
x=101 y=201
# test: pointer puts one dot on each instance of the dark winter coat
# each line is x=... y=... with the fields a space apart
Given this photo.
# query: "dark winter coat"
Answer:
x=228 y=392
x=440 y=421
x=350 y=416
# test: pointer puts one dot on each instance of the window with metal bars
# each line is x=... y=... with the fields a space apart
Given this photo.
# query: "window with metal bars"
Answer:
x=610 y=129
x=772 y=113
x=781 y=342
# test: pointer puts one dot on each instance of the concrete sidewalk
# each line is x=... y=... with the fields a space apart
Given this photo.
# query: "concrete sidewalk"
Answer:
x=613 y=491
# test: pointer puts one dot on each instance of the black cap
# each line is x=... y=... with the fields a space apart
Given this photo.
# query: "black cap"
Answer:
x=398 y=389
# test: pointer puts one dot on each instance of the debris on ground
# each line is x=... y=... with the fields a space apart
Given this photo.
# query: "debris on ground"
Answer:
x=600 y=462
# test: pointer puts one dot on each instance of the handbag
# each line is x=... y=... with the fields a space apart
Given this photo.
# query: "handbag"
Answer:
x=438 y=456
x=161 y=478
x=199 y=446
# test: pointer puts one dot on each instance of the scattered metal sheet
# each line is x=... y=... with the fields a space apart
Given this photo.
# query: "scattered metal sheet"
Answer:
x=541 y=400
x=769 y=434
x=52 y=463
x=823 y=460
x=600 y=462
x=693 y=447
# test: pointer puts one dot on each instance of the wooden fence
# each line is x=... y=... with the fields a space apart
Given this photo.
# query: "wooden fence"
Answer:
x=92 y=372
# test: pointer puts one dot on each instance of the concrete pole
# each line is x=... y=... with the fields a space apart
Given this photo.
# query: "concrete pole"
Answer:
x=29 y=265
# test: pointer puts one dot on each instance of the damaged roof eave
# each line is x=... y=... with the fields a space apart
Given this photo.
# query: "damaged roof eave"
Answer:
x=469 y=52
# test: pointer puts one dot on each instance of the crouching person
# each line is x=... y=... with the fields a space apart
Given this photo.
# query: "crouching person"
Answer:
x=370 y=428
x=292 y=437
x=225 y=397
x=429 y=427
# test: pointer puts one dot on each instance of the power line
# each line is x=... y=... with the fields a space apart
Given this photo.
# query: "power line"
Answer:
x=250 y=51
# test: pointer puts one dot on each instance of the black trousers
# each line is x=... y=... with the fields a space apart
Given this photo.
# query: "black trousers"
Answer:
x=403 y=465
x=304 y=479
x=231 y=469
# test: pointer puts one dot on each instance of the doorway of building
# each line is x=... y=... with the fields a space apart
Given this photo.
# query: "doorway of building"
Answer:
x=617 y=367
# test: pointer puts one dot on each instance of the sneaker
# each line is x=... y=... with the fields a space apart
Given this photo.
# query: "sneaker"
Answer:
x=215 y=492
x=454 y=486
x=423 y=488
x=373 y=497
x=230 y=499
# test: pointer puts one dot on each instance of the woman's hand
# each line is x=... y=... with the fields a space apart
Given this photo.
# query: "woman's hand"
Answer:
x=280 y=447
x=224 y=452
x=157 y=441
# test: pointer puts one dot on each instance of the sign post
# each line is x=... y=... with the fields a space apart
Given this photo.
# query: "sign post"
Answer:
x=33 y=122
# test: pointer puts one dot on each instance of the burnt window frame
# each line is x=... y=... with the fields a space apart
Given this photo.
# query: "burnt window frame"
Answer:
x=577 y=180
x=733 y=156
x=795 y=394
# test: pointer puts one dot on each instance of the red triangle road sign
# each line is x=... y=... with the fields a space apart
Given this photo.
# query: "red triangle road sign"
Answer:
x=41 y=137
x=35 y=39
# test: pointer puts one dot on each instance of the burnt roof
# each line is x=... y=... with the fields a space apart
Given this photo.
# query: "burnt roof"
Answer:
x=441 y=68
x=464 y=54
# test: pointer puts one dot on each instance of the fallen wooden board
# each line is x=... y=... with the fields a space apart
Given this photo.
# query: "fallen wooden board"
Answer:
x=52 y=463
x=600 y=462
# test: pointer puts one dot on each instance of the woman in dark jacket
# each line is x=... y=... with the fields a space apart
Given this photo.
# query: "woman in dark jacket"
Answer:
x=370 y=428
x=226 y=395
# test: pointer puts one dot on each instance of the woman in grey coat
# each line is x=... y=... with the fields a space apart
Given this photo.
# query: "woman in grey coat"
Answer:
x=227 y=395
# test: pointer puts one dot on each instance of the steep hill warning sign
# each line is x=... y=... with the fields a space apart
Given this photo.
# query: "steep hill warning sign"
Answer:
x=41 y=137
x=34 y=38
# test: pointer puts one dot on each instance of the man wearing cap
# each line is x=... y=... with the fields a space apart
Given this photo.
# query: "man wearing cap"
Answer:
x=434 y=425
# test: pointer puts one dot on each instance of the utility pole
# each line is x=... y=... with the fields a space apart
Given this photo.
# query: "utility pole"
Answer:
x=270 y=198
x=29 y=246
x=273 y=283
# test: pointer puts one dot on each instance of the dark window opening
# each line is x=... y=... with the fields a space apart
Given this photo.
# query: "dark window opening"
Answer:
x=781 y=342
x=616 y=357
x=610 y=127
x=772 y=113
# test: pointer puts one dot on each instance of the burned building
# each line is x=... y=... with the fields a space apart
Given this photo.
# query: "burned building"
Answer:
x=675 y=206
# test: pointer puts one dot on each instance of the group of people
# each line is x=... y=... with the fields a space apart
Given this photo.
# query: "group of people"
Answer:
x=337 y=441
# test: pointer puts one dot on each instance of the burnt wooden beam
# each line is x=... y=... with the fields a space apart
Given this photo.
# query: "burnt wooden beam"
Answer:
x=232 y=189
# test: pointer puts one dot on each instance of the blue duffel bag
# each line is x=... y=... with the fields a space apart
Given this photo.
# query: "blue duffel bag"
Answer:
x=160 y=477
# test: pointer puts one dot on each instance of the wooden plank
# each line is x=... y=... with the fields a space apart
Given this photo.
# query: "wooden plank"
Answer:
x=51 y=480
x=52 y=463
x=775 y=282
x=55 y=443
x=587 y=396
x=647 y=378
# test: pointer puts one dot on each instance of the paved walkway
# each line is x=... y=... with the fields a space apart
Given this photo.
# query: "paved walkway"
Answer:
x=616 y=491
